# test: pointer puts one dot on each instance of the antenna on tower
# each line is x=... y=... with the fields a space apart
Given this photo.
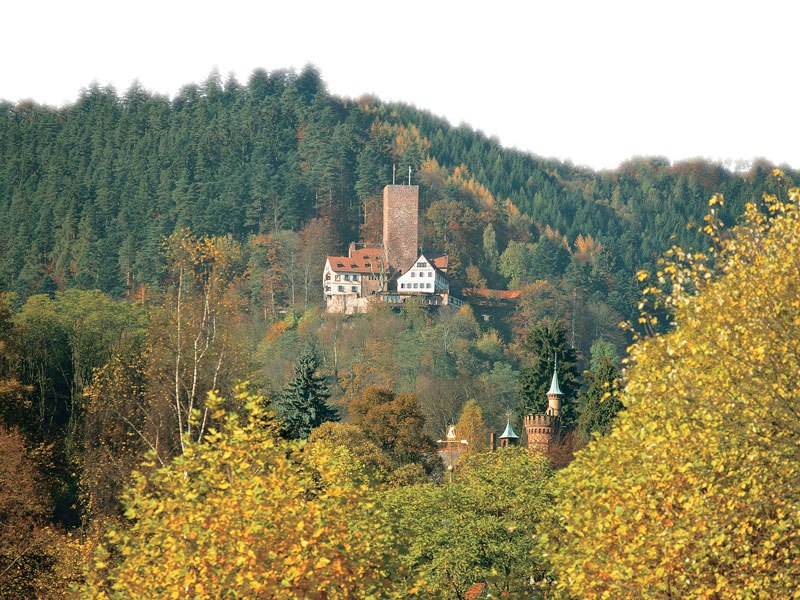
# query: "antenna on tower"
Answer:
x=394 y=170
x=409 y=174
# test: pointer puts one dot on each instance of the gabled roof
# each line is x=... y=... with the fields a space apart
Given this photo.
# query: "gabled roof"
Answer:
x=363 y=260
x=439 y=263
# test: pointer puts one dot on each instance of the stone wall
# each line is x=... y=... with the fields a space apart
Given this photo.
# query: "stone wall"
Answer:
x=401 y=225
x=541 y=430
x=348 y=304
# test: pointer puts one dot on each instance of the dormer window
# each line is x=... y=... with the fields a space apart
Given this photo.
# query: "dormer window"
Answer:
x=367 y=264
x=340 y=265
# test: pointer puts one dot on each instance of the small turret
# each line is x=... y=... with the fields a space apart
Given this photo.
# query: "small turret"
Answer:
x=542 y=430
x=554 y=394
x=509 y=437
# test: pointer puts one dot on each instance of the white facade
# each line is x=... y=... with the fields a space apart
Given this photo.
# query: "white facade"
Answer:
x=423 y=278
x=341 y=282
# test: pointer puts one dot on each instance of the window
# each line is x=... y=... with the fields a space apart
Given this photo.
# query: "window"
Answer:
x=353 y=288
x=428 y=285
x=346 y=277
x=430 y=273
x=422 y=263
x=340 y=288
x=416 y=285
x=402 y=286
x=355 y=277
x=336 y=277
x=327 y=276
x=412 y=274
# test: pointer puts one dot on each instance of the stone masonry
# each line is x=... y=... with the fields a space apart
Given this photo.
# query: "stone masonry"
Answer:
x=401 y=225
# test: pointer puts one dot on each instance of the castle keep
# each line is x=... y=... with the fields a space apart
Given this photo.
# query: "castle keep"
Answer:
x=401 y=226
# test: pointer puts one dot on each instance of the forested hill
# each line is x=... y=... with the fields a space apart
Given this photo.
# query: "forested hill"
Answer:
x=88 y=192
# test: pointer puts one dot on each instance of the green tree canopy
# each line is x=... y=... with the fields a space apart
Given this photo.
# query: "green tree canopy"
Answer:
x=479 y=529
x=472 y=428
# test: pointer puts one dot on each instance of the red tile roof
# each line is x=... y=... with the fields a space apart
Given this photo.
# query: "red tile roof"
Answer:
x=492 y=294
x=363 y=260
x=440 y=262
x=475 y=591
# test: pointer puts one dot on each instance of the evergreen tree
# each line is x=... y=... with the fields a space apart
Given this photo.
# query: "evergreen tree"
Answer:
x=545 y=342
x=490 y=252
x=548 y=259
x=600 y=402
x=303 y=405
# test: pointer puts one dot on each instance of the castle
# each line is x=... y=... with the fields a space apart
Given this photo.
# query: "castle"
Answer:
x=543 y=431
x=393 y=271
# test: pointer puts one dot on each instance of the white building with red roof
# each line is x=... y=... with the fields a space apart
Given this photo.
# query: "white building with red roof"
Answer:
x=357 y=276
x=426 y=276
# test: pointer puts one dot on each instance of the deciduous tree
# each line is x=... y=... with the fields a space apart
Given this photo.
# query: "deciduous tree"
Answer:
x=479 y=529
x=246 y=514
x=395 y=423
x=694 y=492
x=471 y=427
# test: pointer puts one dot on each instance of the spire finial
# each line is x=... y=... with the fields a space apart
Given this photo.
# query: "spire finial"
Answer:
x=554 y=387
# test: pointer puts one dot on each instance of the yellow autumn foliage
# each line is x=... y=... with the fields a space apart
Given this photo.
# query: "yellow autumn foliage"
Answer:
x=245 y=514
x=696 y=491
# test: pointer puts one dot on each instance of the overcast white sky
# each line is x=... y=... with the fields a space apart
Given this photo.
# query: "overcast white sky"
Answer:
x=594 y=82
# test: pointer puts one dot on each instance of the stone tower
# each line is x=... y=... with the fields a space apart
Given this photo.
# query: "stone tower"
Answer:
x=543 y=429
x=401 y=226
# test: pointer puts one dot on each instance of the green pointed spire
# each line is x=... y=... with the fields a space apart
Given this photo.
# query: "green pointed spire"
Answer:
x=509 y=433
x=554 y=389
